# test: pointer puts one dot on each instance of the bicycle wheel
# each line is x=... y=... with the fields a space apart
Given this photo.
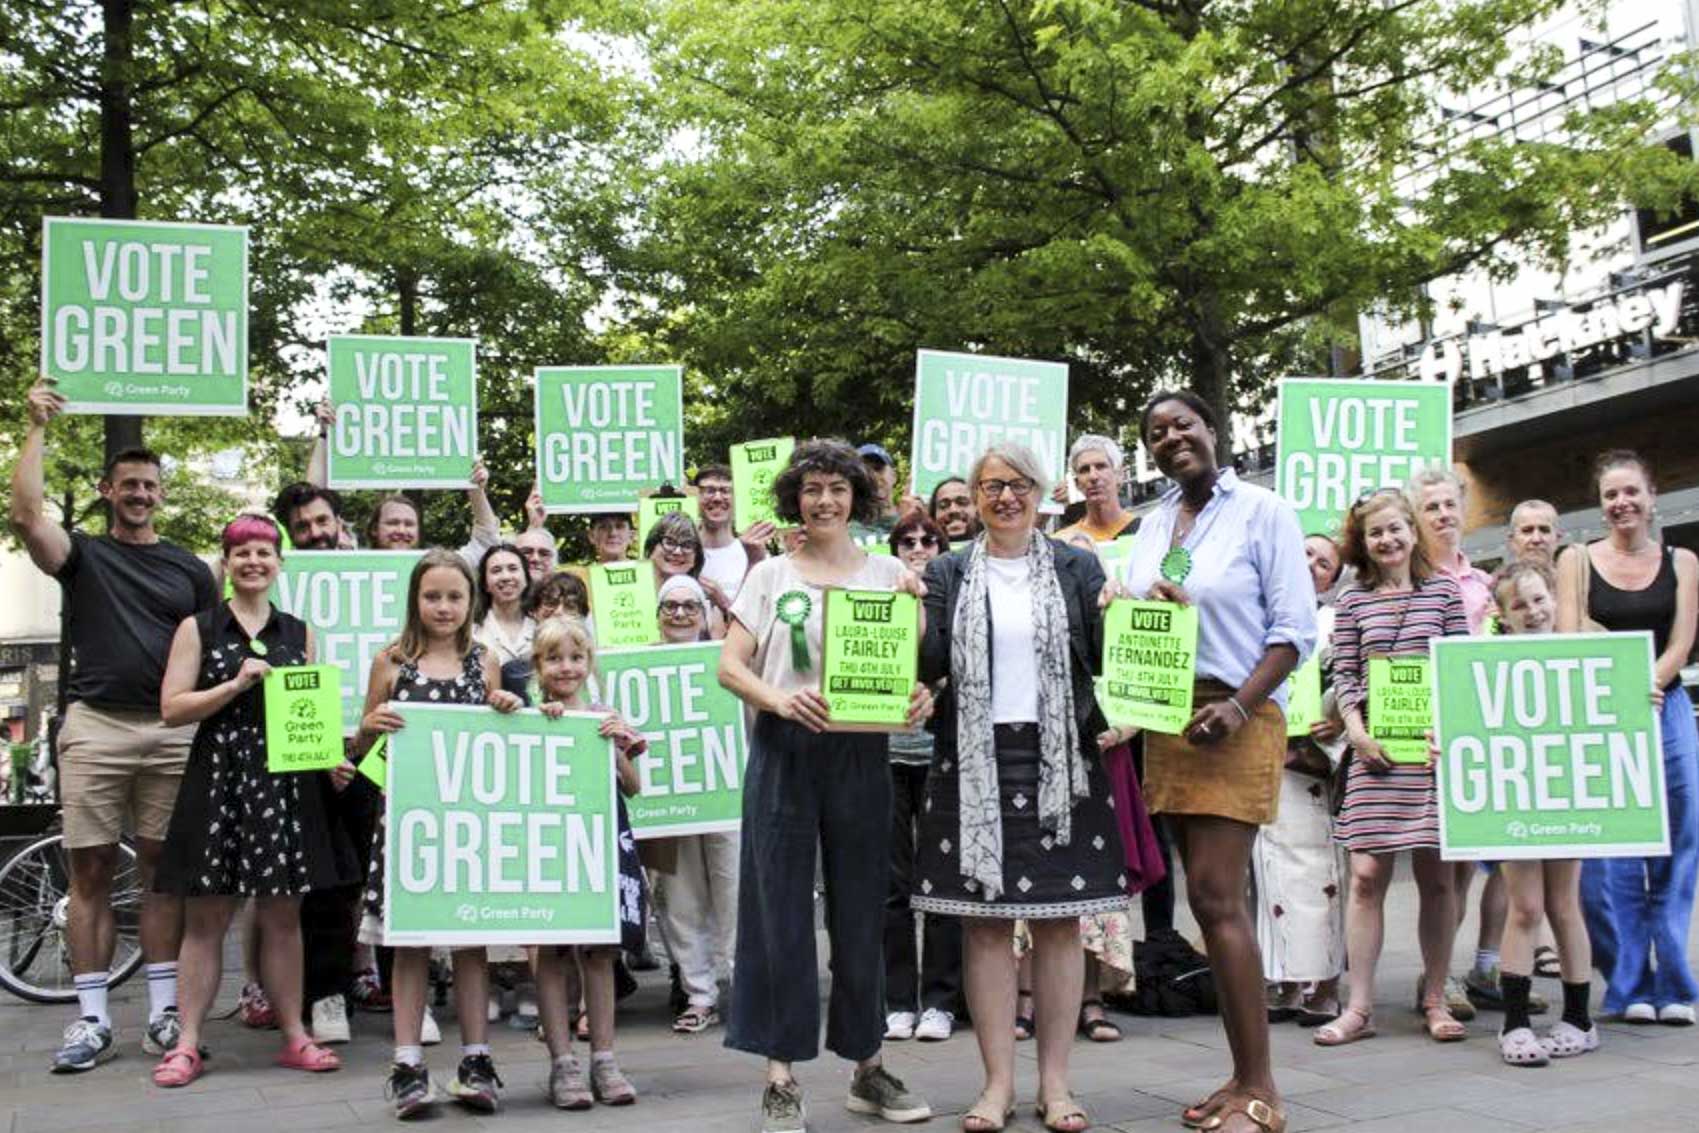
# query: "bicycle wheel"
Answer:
x=35 y=950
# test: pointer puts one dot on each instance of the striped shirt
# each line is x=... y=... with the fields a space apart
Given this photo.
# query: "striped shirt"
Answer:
x=1395 y=623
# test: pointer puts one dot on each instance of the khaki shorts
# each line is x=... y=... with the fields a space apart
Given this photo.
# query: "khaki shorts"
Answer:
x=118 y=769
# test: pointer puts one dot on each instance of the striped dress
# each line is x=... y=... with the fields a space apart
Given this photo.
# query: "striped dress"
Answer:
x=1385 y=812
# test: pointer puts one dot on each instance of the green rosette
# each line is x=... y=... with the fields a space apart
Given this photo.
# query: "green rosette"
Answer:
x=257 y=646
x=793 y=609
x=1176 y=565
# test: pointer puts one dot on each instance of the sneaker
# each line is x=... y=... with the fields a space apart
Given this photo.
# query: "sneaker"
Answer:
x=609 y=1083
x=899 y=1025
x=567 y=1087
x=1639 y=1013
x=782 y=1110
x=429 y=1033
x=1457 y=1000
x=1485 y=991
x=369 y=994
x=877 y=1090
x=1676 y=1014
x=330 y=1020
x=494 y=1013
x=410 y=1088
x=935 y=1025
x=162 y=1033
x=88 y=1043
x=475 y=1086
x=255 y=1008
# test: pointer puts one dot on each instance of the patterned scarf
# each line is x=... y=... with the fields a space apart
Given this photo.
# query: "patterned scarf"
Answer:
x=1062 y=772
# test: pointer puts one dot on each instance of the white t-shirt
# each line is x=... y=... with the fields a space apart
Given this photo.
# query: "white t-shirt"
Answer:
x=726 y=566
x=772 y=580
x=1014 y=642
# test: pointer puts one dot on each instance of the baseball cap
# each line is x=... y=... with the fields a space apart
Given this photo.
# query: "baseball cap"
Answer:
x=876 y=452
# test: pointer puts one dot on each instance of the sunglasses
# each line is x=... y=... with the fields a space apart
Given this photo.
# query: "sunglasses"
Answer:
x=916 y=542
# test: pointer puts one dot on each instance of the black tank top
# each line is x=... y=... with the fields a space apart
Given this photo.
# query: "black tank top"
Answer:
x=1652 y=608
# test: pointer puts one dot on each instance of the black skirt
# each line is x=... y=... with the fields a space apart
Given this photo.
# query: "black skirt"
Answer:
x=1042 y=878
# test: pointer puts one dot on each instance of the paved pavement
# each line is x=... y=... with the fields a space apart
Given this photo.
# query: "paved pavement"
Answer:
x=1644 y=1078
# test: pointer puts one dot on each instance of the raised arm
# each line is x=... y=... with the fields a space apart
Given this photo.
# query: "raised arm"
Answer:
x=46 y=541
x=318 y=461
x=485 y=526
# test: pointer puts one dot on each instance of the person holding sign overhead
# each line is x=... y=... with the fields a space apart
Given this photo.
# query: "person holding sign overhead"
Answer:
x=1397 y=603
x=1235 y=553
x=1630 y=581
x=807 y=787
x=239 y=829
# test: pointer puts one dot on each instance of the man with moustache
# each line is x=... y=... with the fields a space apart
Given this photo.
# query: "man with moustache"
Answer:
x=729 y=555
x=125 y=593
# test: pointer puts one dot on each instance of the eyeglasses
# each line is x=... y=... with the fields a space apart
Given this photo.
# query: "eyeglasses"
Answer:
x=716 y=490
x=915 y=542
x=991 y=489
x=680 y=609
x=674 y=547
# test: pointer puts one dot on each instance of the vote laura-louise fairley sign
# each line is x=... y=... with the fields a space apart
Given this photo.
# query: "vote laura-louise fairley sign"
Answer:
x=1549 y=747
x=870 y=646
x=606 y=433
x=964 y=402
x=1337 y=438
x=405 y=411
x=145 y=317
x=499 y=829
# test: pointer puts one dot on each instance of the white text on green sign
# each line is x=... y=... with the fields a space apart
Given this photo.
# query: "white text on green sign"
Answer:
x=1149 y=662
x=605 y=433
x=870 y=645
x=966 y=402
x=405 y=411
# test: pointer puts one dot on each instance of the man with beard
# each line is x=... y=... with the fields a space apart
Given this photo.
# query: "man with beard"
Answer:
x=312 y=516
x=125 y=594
x=728 y=554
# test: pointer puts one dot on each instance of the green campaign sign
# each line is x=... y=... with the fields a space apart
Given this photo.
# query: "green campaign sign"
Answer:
x=1303 y=697
x=622 y=598
x=870 y=646
x=1401 y=707
x=691 y=778
x=143 y=316
x=1150 y=654
x=1549 y=747
x=605 y=433
x=1114 y=555
x=406 y=411
x=755 y=465
x=303 y=718
x=500 y=829
x=965 y=402
x=355 y=603
x=1336 y=439
x=651 y=508
x=375 y=766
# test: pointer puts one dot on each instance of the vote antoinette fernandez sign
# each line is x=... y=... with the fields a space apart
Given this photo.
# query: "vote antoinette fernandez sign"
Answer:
x=1549 y=747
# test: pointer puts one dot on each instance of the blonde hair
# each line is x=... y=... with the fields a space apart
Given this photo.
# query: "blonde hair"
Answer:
x=411 y=644
x=553 y=635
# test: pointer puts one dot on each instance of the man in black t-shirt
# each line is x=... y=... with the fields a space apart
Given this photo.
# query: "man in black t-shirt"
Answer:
x=125 y=594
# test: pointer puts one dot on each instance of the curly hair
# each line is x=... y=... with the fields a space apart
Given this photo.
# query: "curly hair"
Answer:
x=1354 y=542
x=561 y=589
x=830 y=458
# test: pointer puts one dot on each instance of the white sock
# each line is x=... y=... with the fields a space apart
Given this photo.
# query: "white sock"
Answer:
x=468 y=1050
x=1486 y=959
x=601 y=1056
x=409 y=1056
x=91 y=997
x=161 y=989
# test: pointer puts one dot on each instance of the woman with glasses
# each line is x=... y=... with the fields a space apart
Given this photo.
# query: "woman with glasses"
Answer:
x=1018 y=820
x=674 y=547
x=1235 y=553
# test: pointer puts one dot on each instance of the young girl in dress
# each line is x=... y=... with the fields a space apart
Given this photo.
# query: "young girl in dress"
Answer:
x=434 y=661
x=564 y=655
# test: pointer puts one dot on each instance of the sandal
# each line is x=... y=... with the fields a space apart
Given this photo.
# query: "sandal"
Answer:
x=1342 y=1031
x=1441 y=1025
x=1024 y=1025
x=976 y=1120
x=1261 y=1114
x=1065 y=1117
x=1100 y=1029
x=1546 y=964
x=305 y=1054
x=180 y=1066
x=1194 y=1115
x=1521 y=1048
x=694 y=1020
x=1283 y=1006
x=1566 y=1040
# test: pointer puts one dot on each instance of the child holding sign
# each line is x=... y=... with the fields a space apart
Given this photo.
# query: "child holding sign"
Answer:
x=238 y=829
x=435 y=660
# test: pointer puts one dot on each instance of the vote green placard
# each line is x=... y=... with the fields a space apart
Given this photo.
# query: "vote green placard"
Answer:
x=1114 y=554
x=142 y=316
x=622 y=597
x=870 y=646
x=1303 y=698
x=605 y=433
x=303 y=718
x=499 y=829
x=1337 y=439
x=406 y=411
x=355 y=603
x=375 y=765
x=1150 y=652
x=1549 y=747
x=691 y=778
x=965 y=402
x=755 y=465
x=1401 y=707
x=652 y=507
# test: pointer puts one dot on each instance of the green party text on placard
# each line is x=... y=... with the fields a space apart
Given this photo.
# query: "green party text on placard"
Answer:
x=691 y=778
x=500 y=829
x=1337 y=439
x=622 y=598
x=303 y=718
x=1549 y=747
x=1303 y=698
x=355 y=603
x=1401 y=707
x=145 y=317
x=605 y=433
x=755 y=465
x=964 y=403
x=405 y=411
x=1150 y=654
x=870 y=647
x=652 y=508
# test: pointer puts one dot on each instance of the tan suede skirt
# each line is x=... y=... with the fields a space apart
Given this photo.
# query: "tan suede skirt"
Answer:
x=1238 y=778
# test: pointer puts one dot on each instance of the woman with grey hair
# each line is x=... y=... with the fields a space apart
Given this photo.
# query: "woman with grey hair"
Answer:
x=1018 y=820
x=1095 y=462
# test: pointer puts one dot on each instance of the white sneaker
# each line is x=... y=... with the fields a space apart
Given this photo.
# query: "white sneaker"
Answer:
x=494 y=1013
x=429 y=1033
x=935 y=1025
x=899 y=1025
x=1676 y=1014
x=1639 y=1013
x=330 y=1020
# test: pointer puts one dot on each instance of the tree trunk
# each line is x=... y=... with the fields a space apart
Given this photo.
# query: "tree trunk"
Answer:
x=118 y=160
x=407 y=292
x=1212 y=370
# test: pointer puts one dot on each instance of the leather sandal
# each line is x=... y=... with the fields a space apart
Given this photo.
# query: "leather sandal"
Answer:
x=978 y=1120
x=1194 y=1115
x=1261 y=1114
x=1100 y=1029
x=180 y=1066
x=1342 y=1030
x=1441 y=1025
x=1063 y=1116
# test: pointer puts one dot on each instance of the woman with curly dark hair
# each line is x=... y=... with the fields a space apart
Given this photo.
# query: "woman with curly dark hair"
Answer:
x=806 y=786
